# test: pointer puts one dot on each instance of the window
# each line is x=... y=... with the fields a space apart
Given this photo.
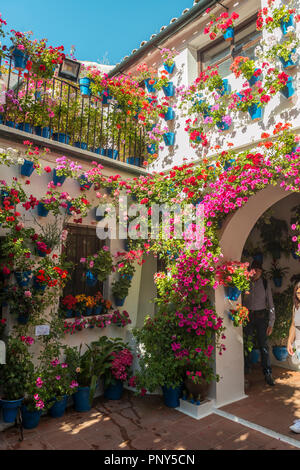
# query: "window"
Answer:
x=81 y=242
x=220 y=51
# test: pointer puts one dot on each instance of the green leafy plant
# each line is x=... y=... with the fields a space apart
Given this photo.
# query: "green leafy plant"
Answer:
x=283 y=302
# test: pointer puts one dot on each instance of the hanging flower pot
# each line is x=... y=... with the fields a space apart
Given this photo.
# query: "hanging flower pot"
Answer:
x=91 y=279
x=25 y=127
x=84 y=183
x=38 y=285
x=229 y=164
x=59 y=407
x=254 y=78
x=169 y=89
x=23 y=278
x=20 y=59
x=58 y=179
x=255 y=112
x=288 y=64
x=288 y=90
x=277 y=281
x=169 y=68
x=61 y=137
x=114 y=391
x=223 y=126
x=82 y=399
x=294 y=255
x=224 y=88
x=30 y=419
x=169 y=138
x=284 y=25
x=98 y=217
x=169 y=115
x=229 y=34
x=43 y=131
x=10 y=409
x=80 y=145
x=105 y=96
x=27 y=168
x=150 y=86
x=171 y=396
x=232 y=293
x=280 y=353
x=151 y=149
x=41 y=210
x=119 y=302
x=84 y=85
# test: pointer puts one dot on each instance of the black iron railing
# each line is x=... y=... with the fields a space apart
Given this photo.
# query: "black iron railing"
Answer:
x=56 y=109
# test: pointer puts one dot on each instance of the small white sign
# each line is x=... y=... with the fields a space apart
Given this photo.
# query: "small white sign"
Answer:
x=42 y=330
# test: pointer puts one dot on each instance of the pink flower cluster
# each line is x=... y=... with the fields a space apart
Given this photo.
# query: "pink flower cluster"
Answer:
x=121 y=364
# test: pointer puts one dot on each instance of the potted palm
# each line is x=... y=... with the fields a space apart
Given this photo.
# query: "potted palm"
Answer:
x=277 y=273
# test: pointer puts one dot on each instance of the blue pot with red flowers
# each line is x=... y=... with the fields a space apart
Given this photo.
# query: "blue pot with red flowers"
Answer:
x=232 y=293
x=84 y=183
x=172 y=396
x=224 y=88
x=150 y=86
x=169 y=68
x=229 y=164
x=288 y=90
x=30 y=419
x=286 y=22
x=41 y=210
x=255 y=112
x=169 y=138
x=255 y=77
x=228 y=35
x=169 y=89
x=58 y=179
x=27 y=168
x=20 y=59
x=84 y=85
x=170 y=114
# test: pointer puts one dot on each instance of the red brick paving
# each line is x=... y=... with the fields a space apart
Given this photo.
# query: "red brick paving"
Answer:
x=135 y=423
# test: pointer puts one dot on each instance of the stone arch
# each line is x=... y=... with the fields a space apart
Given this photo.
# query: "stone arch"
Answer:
x=235 y=231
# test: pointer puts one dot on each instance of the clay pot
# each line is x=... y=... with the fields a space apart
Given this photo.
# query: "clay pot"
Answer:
x=197 y=389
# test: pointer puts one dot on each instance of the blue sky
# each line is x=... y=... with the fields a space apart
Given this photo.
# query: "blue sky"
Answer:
x=101 y=31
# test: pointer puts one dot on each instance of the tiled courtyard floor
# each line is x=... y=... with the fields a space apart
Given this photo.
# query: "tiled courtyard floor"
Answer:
x=136 y=423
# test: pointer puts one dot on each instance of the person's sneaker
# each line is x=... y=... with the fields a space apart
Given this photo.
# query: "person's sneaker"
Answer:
x=269 y=379
x=296 y=427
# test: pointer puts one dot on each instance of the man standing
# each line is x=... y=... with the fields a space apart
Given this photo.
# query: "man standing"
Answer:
x=260 y=304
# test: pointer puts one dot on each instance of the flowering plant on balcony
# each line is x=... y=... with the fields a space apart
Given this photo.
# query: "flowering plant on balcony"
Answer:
x=239 y=315
x=45 y=59
x=235 y=274
x=272 y=17
x=100 y=264
x=168 y=55
x=219 y=24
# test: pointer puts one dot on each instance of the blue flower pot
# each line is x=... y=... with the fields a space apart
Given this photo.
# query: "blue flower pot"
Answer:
x=24 y=126
x=169 y=115
x=23 y=278
x=151 y=149
x=61 y=137
x=169 y=90
x=88 y=312
x=10 y=409
x=43 y=131
x=82 y=399
x=288 y=64
x=58 y=179
x=255 y=112
x=150 y=87
x=41 y=253
x=119 y=302
x=133 y=161
x=254 y=79
x=169 y=68
x=114 y=391
x=38 y=285
x=285 y=24
x=229 y=164
x=258 y=257
x=10 y=123
x=169 y=138
x=112 y=153
x=84 y=85
x=41 y=210
x=30 y=419
x=171 y=396
x=277 y=281
x=224 y=88
x=84 y=183
x=223 y=126
x=69 y=313
x=288 y=90
x=280 y=353
x=59 y=407
x=27 y=168
x=254 y=356
x=20 y=59
x=80 y=145
x=232 y=293
x=91 y=280
x=105 y=98
x=294 y=255
x=38 y=96
x=229 y=34
x=98 y=309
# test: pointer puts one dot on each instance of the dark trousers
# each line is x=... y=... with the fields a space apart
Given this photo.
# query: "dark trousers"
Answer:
x=258 y=323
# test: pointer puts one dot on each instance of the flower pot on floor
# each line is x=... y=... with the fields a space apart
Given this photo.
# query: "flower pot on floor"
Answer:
x=30 y=419
x=43 y=131
x=10 y=409
x=172 y=395
x=98 y=309
x=232 y=293
x=82 y=399
x=133 y=161
x=254 y=356
x=25 y=127
x=27 y=168
x=197 y=390
x=80 y=145
x=280 y=353
x=114 y=391
x=112 y=153
x=59 y=407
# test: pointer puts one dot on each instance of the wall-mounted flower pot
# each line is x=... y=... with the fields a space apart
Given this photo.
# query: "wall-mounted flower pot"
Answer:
x=280 y=353
x=229 y=34
x=150 y=86
x=285 y=24
x=223 y=126
x=97 y=217
x=91 y=279
x=82 y=399
x=229 y=164
x=225 y=88
x=59 y=407
x=10 y=409
x=105 y=96
x=23 y=278
x=152 y=149
x=232 y=293
x=169 y=90
x=294 y=255
x=41 y=210
x=169 y=138
x=38 y=285
x=84 y=85
x=169 y=68
x=43 y=131
x=170 y=114
x=171 y=396
x=255 y=112
x=277 y=281
x=41 y=253
x=58 y=179
x=84 y=183
x=20 y=59
x=114 y=391
x=80 y=145
x=25 y=127
x=288 y=90
x=27 y=168
x=254 y=79
x=61 y=137
x=133 y=161
x=30 y=419
x=119 y=302
x=288 y=64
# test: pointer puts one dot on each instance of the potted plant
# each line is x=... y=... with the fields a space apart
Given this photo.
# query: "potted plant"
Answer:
x=118 y=372
x=239 y=315
x=235 y=277
x=222 y=24
x=277 y=273
x=120 y=290
x=283 y=302
x=13 y=377
x=59 y=386
x=168 y=57
x=98 y=265
x=36 y=399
